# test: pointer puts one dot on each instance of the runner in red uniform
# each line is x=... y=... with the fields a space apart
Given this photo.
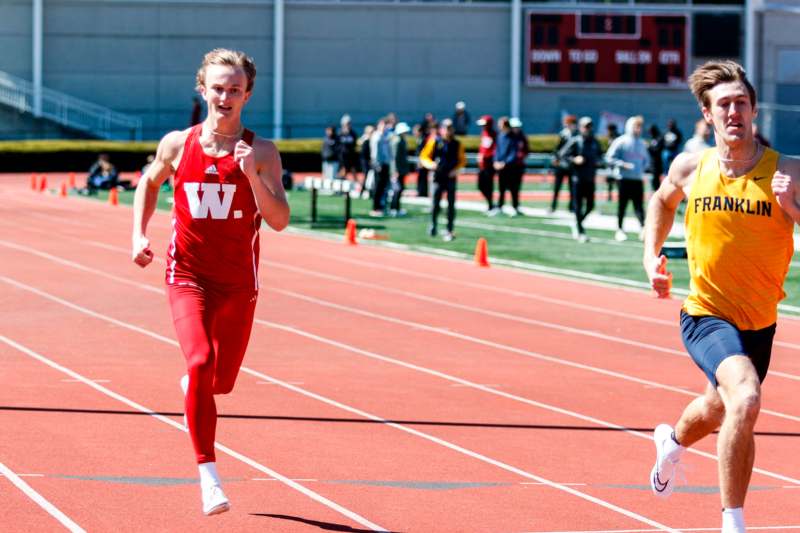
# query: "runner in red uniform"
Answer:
x=226 y=180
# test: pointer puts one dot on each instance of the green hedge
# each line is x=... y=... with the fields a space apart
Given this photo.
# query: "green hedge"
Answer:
x=298 y=155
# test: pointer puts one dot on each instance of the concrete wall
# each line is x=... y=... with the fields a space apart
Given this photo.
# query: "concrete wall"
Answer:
x=140 y=57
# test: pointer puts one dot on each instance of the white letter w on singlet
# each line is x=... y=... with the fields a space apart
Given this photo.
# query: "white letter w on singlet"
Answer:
x=200 y=207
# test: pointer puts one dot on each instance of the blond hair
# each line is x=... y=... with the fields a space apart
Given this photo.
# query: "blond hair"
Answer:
x=233 y=58
x=712 y=73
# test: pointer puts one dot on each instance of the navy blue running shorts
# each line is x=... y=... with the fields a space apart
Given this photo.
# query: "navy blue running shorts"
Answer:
x=710 y=340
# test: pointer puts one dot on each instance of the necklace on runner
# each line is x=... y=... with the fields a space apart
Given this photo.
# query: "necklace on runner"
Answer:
x=758 y=146
x=229 y=136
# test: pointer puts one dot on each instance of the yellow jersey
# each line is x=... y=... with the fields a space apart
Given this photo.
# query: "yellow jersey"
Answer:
x=739 y=243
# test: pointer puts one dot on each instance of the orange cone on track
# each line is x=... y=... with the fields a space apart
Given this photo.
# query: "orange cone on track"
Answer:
x=350 y=232
x=482 y=253
x=63 y=192
x=113 y=197
x=71 y=183
x=42 y=183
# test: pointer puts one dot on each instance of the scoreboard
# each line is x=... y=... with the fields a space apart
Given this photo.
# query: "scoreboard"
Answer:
x=616 y=49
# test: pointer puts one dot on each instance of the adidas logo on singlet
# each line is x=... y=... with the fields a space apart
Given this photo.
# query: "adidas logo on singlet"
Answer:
x=212 y=169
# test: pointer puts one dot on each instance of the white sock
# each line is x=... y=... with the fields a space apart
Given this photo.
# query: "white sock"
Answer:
x=208 y=474
x=673 y=449
x=733 y=521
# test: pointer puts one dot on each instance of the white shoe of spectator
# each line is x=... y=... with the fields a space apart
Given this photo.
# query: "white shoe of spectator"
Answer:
x=582 y=238
x=448 y=236
x=493 y=212
x=574 y=229
x=620 y=236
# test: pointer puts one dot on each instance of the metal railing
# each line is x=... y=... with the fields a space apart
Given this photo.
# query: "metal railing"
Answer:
x=69 y=111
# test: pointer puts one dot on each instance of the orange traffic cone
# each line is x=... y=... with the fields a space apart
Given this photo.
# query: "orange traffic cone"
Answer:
x=113 y=196
x=350 y=232
x=42 y=183
x=482 y=253
x=34 y=182
x=71 y=183
x=63 y=192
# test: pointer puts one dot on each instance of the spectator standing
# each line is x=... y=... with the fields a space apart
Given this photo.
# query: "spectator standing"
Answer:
x=504 y=158
x=348 y=154
x=583 y=153
x=197 y=111
x=561 y=168
x=461 y=119
x=330 y=154
x=444 y=155
x=365 y=156
x=612 y=133
x=486 y=171
x=423 y=130
x=699 y=141
x=628 y=157
x=398 y=168
x=521 y=156
x=673 y=141
x=381 y=158
x=655 y=146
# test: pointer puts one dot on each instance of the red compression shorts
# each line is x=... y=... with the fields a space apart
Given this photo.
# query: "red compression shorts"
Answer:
x=213 y=328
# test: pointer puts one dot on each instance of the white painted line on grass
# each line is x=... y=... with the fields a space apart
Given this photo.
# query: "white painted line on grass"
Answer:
x=40 y=500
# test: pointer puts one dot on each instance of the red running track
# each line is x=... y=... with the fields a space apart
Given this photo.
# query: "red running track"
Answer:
x=401 y=392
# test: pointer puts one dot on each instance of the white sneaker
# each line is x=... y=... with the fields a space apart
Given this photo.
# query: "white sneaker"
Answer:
x=620 y=236
x=184 y=388
x=493 y=212
x=448 y=236
x=214 y=500
x=574 y=229
x=582 y=238
x=662 y=477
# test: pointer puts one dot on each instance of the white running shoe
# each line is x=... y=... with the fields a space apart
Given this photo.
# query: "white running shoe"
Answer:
x=620 y=236
x=184 y=388
x=214 y=500
x=668 y=455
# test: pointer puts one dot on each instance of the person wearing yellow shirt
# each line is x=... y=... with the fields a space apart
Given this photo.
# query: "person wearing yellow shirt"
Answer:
x=444 y=155
x=742 y=204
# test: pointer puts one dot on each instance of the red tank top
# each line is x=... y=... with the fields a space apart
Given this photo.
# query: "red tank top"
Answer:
x=215 y=221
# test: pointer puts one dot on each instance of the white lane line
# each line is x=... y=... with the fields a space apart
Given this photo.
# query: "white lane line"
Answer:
x=527 y=353
x=130 y=403
x=443 y=331
x=489 y=390
x=465 y=451
x=40 y=500
x=315 y=396
x=506 y=316
x=507 y=348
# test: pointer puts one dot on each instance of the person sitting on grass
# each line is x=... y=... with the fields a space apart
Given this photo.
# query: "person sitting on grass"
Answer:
x=102 y=175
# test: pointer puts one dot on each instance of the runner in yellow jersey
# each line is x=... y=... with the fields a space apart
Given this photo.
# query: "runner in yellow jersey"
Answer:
x=742 y=203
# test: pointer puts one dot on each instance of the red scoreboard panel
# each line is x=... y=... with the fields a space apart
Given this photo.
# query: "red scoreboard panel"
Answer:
x=610 y=49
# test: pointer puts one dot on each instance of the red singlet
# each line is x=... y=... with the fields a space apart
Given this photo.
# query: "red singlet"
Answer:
x=215 y=221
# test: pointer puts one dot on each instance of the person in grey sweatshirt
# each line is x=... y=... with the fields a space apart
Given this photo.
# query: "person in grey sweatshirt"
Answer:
x=628 y=158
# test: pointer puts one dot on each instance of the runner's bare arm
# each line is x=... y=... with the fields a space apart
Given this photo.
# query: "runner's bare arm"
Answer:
x=661 y=215
x=146 y=196
x=261 y=163
x=786 y=186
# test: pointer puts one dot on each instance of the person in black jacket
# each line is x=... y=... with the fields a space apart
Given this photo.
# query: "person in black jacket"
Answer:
x=655 y=145
x=583 y=153
x=444 y=156
x=330 y=153
x=348 y=154
x=561 y=168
